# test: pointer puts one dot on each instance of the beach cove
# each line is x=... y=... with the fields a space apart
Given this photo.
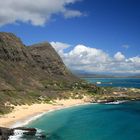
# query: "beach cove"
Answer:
x=21 y=115
x=93 y=121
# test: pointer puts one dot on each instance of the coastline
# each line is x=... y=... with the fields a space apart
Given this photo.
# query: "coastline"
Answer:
x=22 y=115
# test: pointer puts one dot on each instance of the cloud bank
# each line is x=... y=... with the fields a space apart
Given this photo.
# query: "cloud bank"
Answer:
x=36 y=12
x=89 y=59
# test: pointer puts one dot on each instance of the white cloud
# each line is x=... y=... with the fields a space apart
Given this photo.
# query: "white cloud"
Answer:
x=135 y=59
x=72 y=13
x=89 y=59
x=119 y=56
x=125 y=46
x=37 y=12
x=60 y=47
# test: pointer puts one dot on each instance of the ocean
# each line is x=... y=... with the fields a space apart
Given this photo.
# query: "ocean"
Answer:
x=115 y=82
x=94 y=121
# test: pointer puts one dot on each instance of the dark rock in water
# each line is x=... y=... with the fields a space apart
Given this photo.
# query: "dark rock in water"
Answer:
x=22 y=132
x=5 y=133
x=29 y=133
x=26 y=131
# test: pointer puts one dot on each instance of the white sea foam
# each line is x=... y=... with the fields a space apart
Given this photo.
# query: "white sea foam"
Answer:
x=18 y=134
x=98 y=82
x=116 y=102
x=27 y=121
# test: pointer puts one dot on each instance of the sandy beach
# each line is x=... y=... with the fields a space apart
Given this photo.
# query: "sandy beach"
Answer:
x=21 y=114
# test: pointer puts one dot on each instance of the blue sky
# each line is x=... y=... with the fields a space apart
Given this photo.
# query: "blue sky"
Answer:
x=110 y=27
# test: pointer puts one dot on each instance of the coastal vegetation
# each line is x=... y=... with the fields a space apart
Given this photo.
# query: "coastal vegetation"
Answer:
x=37 y=74
x=58 y=90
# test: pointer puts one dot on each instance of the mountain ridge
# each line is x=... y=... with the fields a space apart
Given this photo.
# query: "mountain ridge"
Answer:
x=25 y=66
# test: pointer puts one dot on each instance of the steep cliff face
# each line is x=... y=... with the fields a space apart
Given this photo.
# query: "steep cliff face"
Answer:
x=12 y=49
x=48 y=60
x=25 y=68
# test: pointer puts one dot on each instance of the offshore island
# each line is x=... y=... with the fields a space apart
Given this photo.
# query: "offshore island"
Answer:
x=34 y=80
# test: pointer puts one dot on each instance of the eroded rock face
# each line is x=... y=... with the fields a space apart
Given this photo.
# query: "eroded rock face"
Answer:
x=21 y=133
x=24 y=67
x=47 y=59
x=5 y=133
x=12 y=49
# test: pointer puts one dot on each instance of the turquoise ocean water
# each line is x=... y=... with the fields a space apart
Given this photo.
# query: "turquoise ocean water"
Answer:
x=94 y=121
x=116 y=82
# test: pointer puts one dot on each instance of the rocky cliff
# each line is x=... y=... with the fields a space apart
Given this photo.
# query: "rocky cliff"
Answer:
x=25 y=67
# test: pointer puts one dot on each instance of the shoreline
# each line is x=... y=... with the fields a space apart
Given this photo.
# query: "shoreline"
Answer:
x=33 y=118
x=22 y=123
x=37 y=116
x=24 y=114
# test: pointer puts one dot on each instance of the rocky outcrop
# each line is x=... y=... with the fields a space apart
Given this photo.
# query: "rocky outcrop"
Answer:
x=5 y=133
x=23 y=67
x=21 y=132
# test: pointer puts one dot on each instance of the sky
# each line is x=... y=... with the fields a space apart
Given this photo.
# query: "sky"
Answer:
x=96 y=36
